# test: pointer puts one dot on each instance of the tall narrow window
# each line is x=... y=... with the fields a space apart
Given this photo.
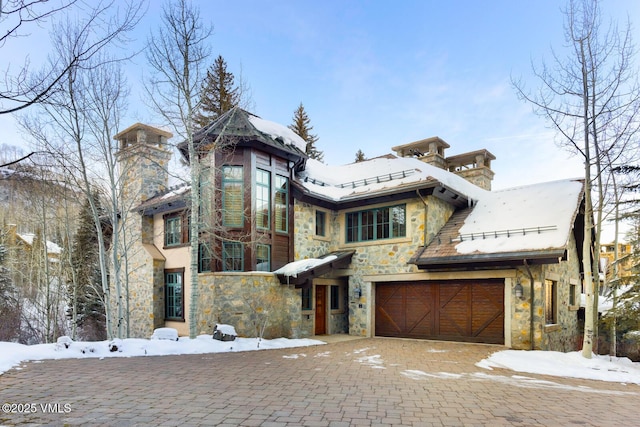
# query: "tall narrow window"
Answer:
x=335 y=297
x=232 y=196
x=263 y=257
x=204 y=211
x=204 y=257
x=550 y=304
x=263 y=199
x=321 y=223
x=232 y=256
x=282 y=203
x=173 y=231
x=174 y=295
x=306 y=299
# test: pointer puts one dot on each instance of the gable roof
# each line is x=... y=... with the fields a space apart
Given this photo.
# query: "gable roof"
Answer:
x=238 y=127
x=504 y=227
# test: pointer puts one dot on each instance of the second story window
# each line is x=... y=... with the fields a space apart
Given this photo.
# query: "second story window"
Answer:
x=263 y=199
x=176 y=230
x=321 y=223
x=282 y=203
x=232 y=196
x=375 y=224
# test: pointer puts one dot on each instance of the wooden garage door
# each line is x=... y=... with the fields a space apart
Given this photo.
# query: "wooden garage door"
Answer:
x=466 y=310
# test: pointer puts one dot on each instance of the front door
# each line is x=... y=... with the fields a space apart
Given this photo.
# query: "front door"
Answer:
x=321 y=310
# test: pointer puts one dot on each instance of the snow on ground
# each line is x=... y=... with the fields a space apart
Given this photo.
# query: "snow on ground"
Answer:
x=571 y=365
x=13 y=354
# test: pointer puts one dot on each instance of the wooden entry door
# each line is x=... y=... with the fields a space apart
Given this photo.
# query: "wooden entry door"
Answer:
x=321 y=310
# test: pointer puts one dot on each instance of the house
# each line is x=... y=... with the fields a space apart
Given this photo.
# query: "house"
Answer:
x=413 y=244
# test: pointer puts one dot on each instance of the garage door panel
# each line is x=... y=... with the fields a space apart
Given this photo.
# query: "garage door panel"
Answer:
x=459 y=311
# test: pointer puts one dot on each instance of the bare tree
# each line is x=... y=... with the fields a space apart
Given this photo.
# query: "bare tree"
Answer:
x=104 y=26
x=591 y=98
x=177 y=53
x=79 y=119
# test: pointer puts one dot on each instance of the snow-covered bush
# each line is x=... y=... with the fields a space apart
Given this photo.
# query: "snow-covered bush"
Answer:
x=63 y=342
x=170 y=334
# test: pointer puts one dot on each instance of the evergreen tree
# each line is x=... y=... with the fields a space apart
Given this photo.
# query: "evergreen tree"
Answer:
x=86 y=294
x=301 y=126
x=360 y=156
x=219 y=93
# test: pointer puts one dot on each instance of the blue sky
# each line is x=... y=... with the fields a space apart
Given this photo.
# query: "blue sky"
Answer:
x=374 y=74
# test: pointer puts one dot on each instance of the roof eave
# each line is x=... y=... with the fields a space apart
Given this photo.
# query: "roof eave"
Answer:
x=490 y=260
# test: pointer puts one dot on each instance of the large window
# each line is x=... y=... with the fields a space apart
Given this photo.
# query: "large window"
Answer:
x=263 y=257
x=232 y=196
x=263 y=199
x=232 y=256
x=174 y=295
x=550 y=302
x=176 y=229
x=376 y=224
x=282 y=203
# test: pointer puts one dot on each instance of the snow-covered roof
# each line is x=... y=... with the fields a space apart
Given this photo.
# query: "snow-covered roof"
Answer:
x=296 y=267
x=532 y=222
x=532 y=217
x=52 y=248
x=276 y=131
x=363 y=179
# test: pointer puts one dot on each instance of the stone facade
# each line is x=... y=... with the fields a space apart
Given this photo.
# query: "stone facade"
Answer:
x=249 y=302
x=564 y=334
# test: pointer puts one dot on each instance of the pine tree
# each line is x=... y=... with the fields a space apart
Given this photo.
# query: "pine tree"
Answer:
x=360 y=156
x=219 y=93
x=302 y=128
x=86 y=292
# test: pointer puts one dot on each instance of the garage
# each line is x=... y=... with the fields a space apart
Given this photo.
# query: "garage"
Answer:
x=461 y=310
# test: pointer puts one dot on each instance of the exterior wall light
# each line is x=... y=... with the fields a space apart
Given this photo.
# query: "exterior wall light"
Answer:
x=357 y=293
x=519 y=291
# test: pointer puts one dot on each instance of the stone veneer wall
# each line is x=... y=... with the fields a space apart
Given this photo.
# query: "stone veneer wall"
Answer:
x=371 y=258
x=245 y=300
x=560 y=337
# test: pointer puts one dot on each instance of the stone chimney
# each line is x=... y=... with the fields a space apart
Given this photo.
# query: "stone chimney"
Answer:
x=143 y=158
x=430 y=150
x=474 y=166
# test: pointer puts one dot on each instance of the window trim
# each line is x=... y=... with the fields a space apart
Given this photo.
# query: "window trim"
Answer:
x=179 y=272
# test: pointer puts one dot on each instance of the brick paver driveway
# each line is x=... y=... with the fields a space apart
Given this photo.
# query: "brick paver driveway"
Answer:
x=373 y=381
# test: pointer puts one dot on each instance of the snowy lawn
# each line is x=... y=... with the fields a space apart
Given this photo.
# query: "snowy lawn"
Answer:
x=571 y=365
x=12 y=354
